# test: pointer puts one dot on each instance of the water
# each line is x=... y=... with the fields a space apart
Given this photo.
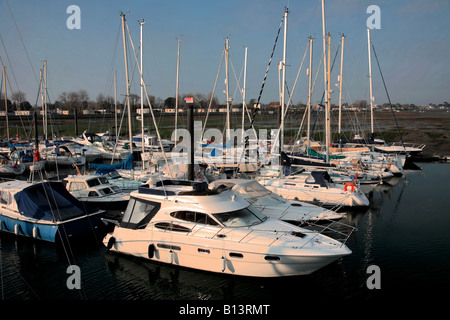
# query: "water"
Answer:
x=404 y=232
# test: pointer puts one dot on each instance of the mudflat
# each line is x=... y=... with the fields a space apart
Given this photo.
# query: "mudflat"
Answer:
x=431 y=128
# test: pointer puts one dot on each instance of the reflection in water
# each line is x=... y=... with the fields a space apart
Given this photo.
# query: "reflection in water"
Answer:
x=404 y=232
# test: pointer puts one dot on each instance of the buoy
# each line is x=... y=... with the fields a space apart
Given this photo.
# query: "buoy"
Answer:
x=111 y=242
x=349 y=184
x=151 y=251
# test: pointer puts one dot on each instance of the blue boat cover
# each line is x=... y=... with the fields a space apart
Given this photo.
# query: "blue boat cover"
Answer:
x=50 y=201
x=105 y=168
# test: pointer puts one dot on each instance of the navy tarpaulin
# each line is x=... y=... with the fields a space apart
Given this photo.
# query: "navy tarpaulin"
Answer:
x=321 y=177
x=126 y=164
x=50 y=201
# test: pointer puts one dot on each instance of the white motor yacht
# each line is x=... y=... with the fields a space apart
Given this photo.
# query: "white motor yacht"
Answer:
x=317 y=187
x=96 y=191
x=185 y=224
x=275 y=206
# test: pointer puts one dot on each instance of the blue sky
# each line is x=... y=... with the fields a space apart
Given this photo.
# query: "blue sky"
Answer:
x=412 y=45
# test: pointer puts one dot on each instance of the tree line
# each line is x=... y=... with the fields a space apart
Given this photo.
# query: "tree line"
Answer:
x=80 y=100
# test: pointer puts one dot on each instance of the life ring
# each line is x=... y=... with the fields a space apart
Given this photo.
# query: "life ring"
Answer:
x=4 y=161
x=349 y=184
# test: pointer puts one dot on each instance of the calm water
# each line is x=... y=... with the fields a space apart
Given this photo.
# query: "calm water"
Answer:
x=405 y=233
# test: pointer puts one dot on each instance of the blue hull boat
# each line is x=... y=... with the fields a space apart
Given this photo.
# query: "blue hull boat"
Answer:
x=46 y=211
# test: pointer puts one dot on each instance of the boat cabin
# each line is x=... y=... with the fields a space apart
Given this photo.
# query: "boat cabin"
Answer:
x=195 y=205
x=90 y=186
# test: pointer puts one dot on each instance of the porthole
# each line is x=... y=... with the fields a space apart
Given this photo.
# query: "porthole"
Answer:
x=168 y=246
x=236 y=255
x=272 y=258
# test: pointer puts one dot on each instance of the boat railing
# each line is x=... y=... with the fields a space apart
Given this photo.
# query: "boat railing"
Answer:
x=332 y=228
x=338 y=231
x=409 y=144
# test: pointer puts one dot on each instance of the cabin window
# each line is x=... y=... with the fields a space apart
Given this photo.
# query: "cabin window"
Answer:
x=105 y=191
x=254 y=189
x=4 y=197
x=139 y=213
x=171 y=227
x=236 y=255
x=75 y=186
x=92 y=194
x=196 y=217
x=241 y=218
x=93 y=182
x=168 y=246
x=103 y=180
x=115 y=188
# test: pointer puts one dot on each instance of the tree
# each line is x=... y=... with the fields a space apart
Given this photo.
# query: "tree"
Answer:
x=169 y=103
x=64 y=98
x=18 y=98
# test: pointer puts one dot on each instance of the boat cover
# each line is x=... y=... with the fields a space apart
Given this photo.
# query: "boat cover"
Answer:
x=321 y=178
x=50 y=201
x=105 y=168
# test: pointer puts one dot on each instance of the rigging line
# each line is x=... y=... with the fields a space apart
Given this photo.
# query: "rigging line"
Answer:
x=10 y=65
x=111 y=74
x=212 y=93
x=255 y=111
x=141 y=75
x=23 y=44
x=387 y=93
x=295 y=82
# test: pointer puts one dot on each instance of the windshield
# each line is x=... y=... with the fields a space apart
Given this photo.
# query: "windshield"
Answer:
x=241 y=218
x=253 y=190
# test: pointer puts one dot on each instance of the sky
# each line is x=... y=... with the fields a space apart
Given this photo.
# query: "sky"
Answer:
x=412 y=47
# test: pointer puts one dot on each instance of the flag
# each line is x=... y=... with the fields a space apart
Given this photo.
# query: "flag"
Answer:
x=189 y=100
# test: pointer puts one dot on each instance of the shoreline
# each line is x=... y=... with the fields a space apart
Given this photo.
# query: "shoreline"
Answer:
x=431 y=128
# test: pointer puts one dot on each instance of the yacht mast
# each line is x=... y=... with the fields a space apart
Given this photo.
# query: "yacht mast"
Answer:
x=128 y=83
x=176 y=91
x=283 y=84
x=340 y=90
x=309 y=93
x=45 y=100
x=325 y=79
x=329 y=99
x=227 y=88
x=6 y=103
x=141 y=23
x=370 y=83
x=115 y=102
x=243 y=92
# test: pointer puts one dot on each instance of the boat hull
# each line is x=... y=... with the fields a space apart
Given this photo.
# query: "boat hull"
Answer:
x=212 y=257
x=53 y=232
